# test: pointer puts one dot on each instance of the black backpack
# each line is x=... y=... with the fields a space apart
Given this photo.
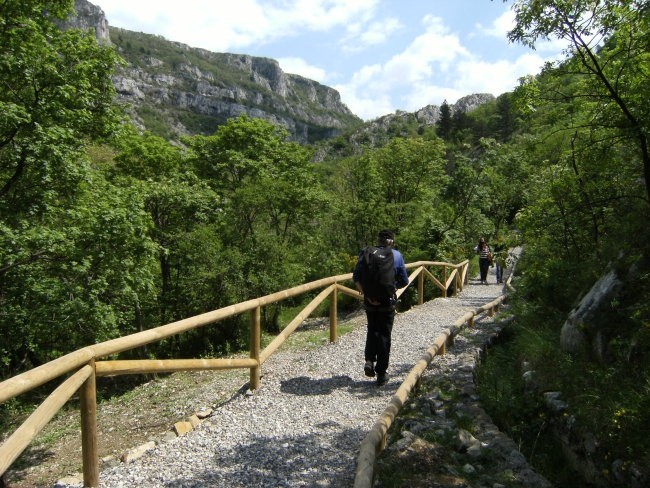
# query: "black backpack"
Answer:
x=378 y=274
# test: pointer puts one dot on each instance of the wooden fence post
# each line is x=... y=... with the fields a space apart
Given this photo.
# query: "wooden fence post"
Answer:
x=421 y=287
x=255 y=334
x=444 y=281
x=333 y=313
x=88 y=407
x=456 y=283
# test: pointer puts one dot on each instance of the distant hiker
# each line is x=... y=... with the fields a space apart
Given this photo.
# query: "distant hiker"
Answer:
x=500 y=255
x=380 y=270
x=484 y=258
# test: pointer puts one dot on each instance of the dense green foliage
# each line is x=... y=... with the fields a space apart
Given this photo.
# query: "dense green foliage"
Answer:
x=585 y=210
x=105 y=230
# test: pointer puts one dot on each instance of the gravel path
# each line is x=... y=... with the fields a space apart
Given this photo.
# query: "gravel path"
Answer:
x=304 y=425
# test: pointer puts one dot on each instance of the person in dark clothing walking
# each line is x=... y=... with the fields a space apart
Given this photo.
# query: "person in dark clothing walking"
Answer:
x=380 y=314
x=500 y=257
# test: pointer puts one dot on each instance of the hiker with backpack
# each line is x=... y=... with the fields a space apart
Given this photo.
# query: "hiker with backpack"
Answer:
x=380 y=270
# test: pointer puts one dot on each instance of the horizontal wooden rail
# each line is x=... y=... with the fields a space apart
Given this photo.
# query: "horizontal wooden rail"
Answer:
x=141 y=366
x=42 y=374
x=348 y=291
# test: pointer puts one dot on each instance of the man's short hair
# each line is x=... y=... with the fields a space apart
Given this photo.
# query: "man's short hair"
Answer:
x=385 y=235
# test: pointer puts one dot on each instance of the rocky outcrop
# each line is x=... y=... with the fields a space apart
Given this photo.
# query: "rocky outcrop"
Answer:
x=379 y=131
x=583 y=329
x=430 y=115
x=600 y=325
x=88 y=16
x=173 y=89
x=471 y=102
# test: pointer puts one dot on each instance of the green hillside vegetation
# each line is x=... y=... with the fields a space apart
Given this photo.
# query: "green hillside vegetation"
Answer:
x=106 y=231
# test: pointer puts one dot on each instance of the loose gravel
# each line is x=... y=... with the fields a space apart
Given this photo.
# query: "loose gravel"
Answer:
x=304 y=425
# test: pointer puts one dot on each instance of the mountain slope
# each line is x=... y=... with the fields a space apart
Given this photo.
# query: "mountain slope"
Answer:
x=172 y=89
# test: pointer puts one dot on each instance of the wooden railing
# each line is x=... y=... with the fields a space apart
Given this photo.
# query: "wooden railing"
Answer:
x=375 y=440
x=84 y=364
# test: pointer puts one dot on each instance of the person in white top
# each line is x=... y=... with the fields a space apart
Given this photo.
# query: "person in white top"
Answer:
x=484 y=258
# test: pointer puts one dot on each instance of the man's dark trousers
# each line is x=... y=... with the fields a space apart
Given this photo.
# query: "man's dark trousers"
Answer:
x=380 y=327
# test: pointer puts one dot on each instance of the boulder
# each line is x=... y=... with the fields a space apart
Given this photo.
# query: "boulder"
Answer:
x=583 y=330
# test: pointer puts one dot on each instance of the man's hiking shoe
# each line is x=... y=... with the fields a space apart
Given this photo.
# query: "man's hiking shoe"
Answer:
x=382 y=379
x=369 y=369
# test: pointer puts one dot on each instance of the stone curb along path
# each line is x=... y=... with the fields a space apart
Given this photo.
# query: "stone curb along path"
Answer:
x=304 y=425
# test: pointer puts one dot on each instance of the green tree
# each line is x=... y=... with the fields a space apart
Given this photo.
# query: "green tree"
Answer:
x=271 y=203
x=507 y=117
x=466 y=198
x=393 y=186
x=609 y=47
x=56 y=96
x=178 y=204
x=445 y=123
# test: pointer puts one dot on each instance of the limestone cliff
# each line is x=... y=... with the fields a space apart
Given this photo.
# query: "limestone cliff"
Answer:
x=173 y=89
x=88 y=16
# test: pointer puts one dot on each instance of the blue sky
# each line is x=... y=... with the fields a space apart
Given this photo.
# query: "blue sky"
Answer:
x=381 y=55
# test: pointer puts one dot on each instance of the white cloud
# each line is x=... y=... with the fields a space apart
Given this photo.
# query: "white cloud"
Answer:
x=500 y=27
x=430 y=94
x=195 y=22
x=498 y=77
x=201 y=23
x=473 y=76
x=319 y=14
x=366 y=94
x=361 y=36
x=435 y=52
x=365 y=104
x=301 y=67
x=432 y=51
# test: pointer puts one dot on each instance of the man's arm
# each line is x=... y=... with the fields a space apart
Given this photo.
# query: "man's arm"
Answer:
x=401 y=276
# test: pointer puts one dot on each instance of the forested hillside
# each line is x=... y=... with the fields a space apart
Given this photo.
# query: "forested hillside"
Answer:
x=106 y=230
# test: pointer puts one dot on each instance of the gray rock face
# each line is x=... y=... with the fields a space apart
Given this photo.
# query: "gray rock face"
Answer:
x=88 y=16
x=193 y=90
x=471 y=102
x=430 y=115
x=376 y=132
x=583 y=328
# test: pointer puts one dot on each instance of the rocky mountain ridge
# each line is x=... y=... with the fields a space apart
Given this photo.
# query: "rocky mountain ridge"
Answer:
x=430 y=115
x=379 y=131
x=172 y=90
